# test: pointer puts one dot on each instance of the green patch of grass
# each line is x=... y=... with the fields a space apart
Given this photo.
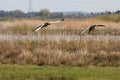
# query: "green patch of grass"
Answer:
x=15 y=72
x=7 y=18
x=110 y=17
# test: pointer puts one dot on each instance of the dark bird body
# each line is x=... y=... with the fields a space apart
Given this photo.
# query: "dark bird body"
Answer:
x=91 y=28
x=46 y=24
x=41 y=26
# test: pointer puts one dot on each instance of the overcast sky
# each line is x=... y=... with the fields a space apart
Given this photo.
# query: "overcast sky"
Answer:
x=61 y=5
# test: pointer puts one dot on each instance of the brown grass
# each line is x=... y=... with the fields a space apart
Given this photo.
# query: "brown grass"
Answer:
x=68 y=27
x=72 y=53
x=80 y=52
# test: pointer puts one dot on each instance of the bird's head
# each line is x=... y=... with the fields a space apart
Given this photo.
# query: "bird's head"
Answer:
x=62 y=19
x=47 y=23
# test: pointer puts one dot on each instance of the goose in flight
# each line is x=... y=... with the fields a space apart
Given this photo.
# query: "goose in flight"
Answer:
x=46 y=24
x=91 y=28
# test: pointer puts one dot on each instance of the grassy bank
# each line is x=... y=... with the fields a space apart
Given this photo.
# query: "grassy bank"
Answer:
x=15 y=72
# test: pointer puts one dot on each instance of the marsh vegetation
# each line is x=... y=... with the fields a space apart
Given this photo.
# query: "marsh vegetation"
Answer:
x=74 y=57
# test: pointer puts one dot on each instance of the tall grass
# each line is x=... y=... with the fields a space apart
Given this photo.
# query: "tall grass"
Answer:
x=77 y=52
x=68 y=27
x=72 y=53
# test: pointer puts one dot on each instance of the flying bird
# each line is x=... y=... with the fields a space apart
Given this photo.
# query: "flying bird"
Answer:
x=46 y=24
x=91 y=28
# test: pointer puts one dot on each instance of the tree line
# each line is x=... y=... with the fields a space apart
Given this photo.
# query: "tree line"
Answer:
x=45 y=13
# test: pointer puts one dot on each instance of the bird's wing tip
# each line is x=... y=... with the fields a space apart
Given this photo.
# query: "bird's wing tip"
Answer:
x=101 y=25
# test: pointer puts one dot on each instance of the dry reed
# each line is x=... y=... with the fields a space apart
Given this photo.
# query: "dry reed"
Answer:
x=68 y=27
x=72 y=53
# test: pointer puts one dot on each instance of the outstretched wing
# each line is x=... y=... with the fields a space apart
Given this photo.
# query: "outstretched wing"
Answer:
x=46 y=24
x=91 y=28
x=57 y=21
x=87 y=29
x=101 y=25
x=38 y=28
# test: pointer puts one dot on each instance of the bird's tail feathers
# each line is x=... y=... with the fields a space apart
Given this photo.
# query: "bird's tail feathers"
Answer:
x=57 y=21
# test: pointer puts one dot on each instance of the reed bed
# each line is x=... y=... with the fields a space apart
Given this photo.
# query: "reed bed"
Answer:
x=59 y=44
x=62 y=52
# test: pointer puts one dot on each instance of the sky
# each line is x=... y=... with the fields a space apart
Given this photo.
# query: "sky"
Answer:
x=61 y=5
